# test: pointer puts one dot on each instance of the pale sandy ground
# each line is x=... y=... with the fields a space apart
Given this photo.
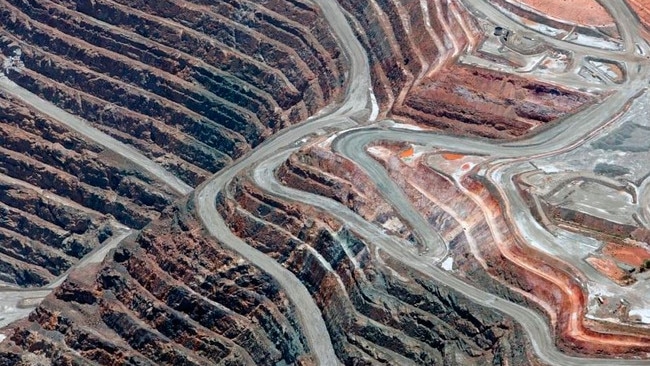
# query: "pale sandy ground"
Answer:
x=584 y=12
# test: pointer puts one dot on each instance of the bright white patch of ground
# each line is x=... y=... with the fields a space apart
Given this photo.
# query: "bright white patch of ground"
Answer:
x=379 y=152
x=374 y=110
x=643 y=313
x=448 y=264
x=328 y=141
x=404 y=126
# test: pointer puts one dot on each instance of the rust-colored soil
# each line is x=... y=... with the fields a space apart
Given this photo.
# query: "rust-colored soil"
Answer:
x=472 y=100
x=629 y=254
x=583 y=12
x=451 y=156
x=544 y=280
x=406 y=153
x=609 y=269
x=642 y=9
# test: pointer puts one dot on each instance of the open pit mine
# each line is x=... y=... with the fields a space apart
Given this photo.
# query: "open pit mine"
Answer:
x=324 y=182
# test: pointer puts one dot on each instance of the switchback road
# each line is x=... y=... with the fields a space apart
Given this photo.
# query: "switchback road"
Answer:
x=565 y=135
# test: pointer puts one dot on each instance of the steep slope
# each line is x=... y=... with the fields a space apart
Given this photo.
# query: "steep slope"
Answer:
x=371 y=313
x=170 y=297
x=483 y=249
x=191 y=85
x=413 y=48
x=642 y=9
x=60 y=194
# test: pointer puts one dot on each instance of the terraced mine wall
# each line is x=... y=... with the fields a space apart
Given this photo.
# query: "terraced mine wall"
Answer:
x=193 y=86
x=189 y=84
x=478 y=256
x=475 y=101
x=59 y=195
x=397 y=56
x=413 y=47
x=318 y=170
x=170 y=297
x=200 y=312
x=524 y=274
x=577 y=219
x=568 y=300
x=549 y=213
x=370 y=313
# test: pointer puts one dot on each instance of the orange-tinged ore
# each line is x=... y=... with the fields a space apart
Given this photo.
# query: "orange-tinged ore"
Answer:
x=629 y=254
x=609 y=268
x=452 y=156
x=407 y=153
x=582 y=12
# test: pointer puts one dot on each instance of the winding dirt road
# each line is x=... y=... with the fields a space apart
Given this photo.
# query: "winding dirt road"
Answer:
x=359 y=103
x=566 y=135
x=84 y=128
x=533 y=323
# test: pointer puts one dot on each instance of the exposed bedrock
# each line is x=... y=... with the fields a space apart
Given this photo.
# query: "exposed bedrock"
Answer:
x=192 y=85
x=318 y=170
x=372 y=315
x=563 y=293
x=407 y=39
x=169 y=297
x=498 y=264
x=535 y=277
x=475 y=101
x=413 y=47
x=642 y=10
x=59 y=195
x=582 y=220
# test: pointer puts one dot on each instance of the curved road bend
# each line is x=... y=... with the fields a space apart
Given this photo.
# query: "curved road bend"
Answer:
x=355 y=102
x=352 y=144
x=433 y=244
x=617 y=8
x=562 y=136
x=533 y=323
x=358 y=96
x=554 y=140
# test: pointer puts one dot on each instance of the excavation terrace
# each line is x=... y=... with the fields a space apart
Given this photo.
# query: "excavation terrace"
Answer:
x=290 y=182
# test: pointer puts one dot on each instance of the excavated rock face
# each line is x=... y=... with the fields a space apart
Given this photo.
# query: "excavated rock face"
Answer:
x=194 y=85
x=191 y=85
x=371 y=314
x=59 y=194
x=170 y=297
x=642 y=9
x=474 y=101
x=413 y=46
x=496 y=263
